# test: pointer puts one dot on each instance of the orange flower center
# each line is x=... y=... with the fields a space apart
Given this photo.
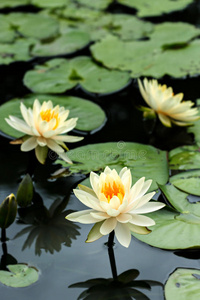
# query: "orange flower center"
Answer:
x=48 y=115
x=114 y=189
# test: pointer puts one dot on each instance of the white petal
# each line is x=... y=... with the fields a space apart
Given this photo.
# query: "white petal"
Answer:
x=113 y=212
x=88 y=199
x=25 y=113
x=123 y=234
x=137 y=187
x=29 y=144
x=65 y=157
x=139 y=202
x=54 y=146
x=83 y=216
x=19 y=125
x=100 y=215
x=108 y=226
x=41 y=141
x=114 y=202
x=142 y=220
x=149 y=207
x=165 y=120
x=124 y=218
x=68 y=138
x=94 y=180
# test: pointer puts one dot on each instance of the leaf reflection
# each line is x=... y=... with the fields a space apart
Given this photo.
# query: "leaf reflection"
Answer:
x=48 y=227
x=123 y=288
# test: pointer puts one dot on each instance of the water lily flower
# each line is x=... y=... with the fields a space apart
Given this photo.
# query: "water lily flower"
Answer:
x=115 y=205
x=44 y=126
x=166 y=105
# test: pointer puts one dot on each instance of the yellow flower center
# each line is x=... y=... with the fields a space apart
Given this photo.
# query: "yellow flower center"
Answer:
x=113 y=189
x=48 y=115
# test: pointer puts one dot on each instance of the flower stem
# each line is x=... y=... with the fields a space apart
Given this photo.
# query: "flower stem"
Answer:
x=111 y=255
x=3 y=235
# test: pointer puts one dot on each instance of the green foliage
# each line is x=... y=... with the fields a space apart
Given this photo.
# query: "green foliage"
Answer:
x=8 y=211
x=184 y=158
x=143 y=160
x=20 y=275
x=176 y=228
x=60 y=75
x=183 y=284
x=188 y=182
x=25 y=191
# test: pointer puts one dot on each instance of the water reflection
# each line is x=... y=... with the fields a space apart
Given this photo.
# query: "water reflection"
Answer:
x=122 y=287
x=48 y=227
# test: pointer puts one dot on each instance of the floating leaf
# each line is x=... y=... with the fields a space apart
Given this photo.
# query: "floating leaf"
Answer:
x=59 y=75
x=188 y=182
x=25 y=191
x=33 y=25
x=20 y=275
x=185 y=158
x=151 y=8
x=7 y=35
x=143 y=160
x=8 y=211
x=13 y=3
x=176 y=228
x=90 y=115
x=97 y=4
x=183 y=284
x=66 y=44
x=18 y=51
x=146 y=58
x=50 y=3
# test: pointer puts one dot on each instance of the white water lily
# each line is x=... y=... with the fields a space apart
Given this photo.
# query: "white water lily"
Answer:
x=44 y=126
x=115 y=205
x=169 y=107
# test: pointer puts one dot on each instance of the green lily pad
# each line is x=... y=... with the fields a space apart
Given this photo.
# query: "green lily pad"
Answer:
x=176 y=228
x=50 y=3
x=174 y=33
x=18 y=51
x=148 y=8
x=147 y=58
x=60 y=75
x=143 y=160
x=183 y=284
x=7 y=35
x=97 y=4
x=20 y=275
x=188 y=182
x=90 y=115
x=185 y=158
x=13 y=3
x=66 y=44
x=33 y=25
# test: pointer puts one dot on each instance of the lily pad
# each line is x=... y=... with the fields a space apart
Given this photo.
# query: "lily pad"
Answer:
x=188 y=182
x=185 y=158
x=20 y=275
x=50 y=3
x=33 y=25
x=13 y=3
x=148 y=8
x=97 y=4
x=176 y=228
x=90 y=115
x=173 y=33
x=18 y=51
x=65 y=44
x=143 y=160
x=183 y=284
x=147 y=58
x=60 y=75
x=7 y=35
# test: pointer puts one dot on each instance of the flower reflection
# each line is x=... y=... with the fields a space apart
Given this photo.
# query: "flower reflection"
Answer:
x=48 y=227
x=169 y=107
x=115 y=205
x=125 y=287
x=44 y=126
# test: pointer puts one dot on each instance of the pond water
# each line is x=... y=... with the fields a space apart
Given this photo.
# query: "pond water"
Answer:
x=55 y=246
